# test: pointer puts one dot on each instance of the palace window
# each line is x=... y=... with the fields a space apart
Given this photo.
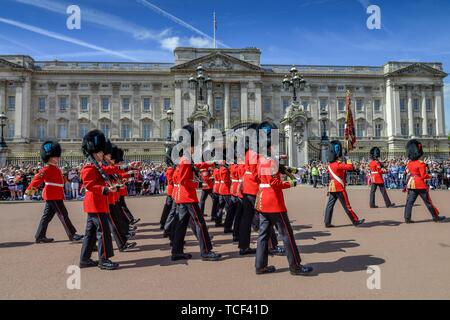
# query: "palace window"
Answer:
x=83 y=129
x=235 y=104
x=147 y=104
x=42 y=131
x=429 y=105
x=404 y=128
x=267 y=105
x=62 y=103
x=146 y=130
x=84 y=104
x=377 y=105
x=359 y=105
x=11 y=102
x=341 y=128
x=341 y=88
x=305 y=104
x=417 y=128
x=125 y=104
x=341 y=105
x=218 y=104
x=378 y=130
x=360 y=126
x=416 y=105
x=403 y=105
x=430 y=128
x=323 y=104
x=11 y=130
x=126 y=131
x=105 y=128
x=42 y=104
x=105 y=104
x=167 y=104
x=286 y=102
x=62 y=130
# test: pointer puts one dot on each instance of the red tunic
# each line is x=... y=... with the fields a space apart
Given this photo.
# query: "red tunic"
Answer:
x=94 y=200
x=337 y=180
x=251 y=181
x=216 y=175
x=234 y=172
x=175 y=185
x=270 y=197
x=205 y=172
x=241 y=174
x=123 y=192
x=418 y=174
x=54 y=182
x=187 y=190
x=376 y=172
x=169 y=176
x=225 y=181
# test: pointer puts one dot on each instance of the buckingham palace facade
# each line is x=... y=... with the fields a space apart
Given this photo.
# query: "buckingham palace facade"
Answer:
x=129 y=102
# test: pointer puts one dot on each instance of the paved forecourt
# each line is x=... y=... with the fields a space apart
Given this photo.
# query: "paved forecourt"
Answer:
x=413 y=260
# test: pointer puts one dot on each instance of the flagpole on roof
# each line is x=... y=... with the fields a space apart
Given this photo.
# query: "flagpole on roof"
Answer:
x=215 y=28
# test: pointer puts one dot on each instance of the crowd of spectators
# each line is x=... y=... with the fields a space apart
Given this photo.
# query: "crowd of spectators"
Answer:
x=316 y=173
x=14 y=180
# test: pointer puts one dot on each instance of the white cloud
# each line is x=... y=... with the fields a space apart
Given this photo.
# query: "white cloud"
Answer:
x=199 y=42
x=100 y=18
x=170 y=43
x=64 y=38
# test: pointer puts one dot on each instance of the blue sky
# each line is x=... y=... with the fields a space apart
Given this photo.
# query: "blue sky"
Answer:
x=325 y=32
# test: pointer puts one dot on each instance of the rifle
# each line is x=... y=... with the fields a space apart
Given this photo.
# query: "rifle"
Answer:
x=102 y=173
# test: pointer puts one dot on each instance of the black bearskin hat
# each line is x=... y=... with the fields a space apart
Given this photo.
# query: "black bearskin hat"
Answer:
x=375 y=153
x=94 y=141
x=191 y=130
x=335 y=151
x=50 y=149
x=267 y=127
x=414 y=149
x=168 y=156
x=116 y=154
x=109 y=147
x=253 y=126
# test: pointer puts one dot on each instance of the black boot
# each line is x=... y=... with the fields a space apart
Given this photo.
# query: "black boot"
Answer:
x=77 y=237
x=211 y=256
x=45 y=240
x=408 y=221
x=246 y=252
x=300 y=270
x=181 y=256
x=359 y=222
x=108 y=265
x=88 y=264
x=266 y=270
x=439 y=219
x=128 y=246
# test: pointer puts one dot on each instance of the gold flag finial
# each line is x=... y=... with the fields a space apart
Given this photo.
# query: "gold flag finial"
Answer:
x=349 y=93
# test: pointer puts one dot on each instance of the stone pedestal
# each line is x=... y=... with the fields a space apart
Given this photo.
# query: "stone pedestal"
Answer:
x=296 y=130
x=4 y=152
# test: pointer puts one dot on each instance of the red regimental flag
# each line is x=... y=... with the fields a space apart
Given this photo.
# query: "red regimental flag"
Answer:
x=350 y=135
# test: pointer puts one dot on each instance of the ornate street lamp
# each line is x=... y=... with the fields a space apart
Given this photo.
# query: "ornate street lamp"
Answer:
x=170 y=114
x=294 y=82
x=201 y=83
x=3 y=119
x=324 y=139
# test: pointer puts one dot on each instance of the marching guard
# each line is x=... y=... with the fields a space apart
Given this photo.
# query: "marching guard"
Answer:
x=272 y=209
x=95 y=204
x=417 y=185
x=376 y=176
x=52 y=178
x=337 y=170
x=169 y=199
x=208 y=184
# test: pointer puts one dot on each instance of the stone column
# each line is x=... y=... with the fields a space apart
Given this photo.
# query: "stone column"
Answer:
x=410 y=113
x=332 y=111
x=3 y=85
x=244 y=101
x=258 y=102
x=18 y=111
x=52 y=109
x=227 y=115
x=94 y=109
x=178 y=106
x=315 y=112
x=74 y=110
x=157 y=110
x=115 y=111
x=291 y=145
x=439 y=110
x=424 y=113
x=136 y=111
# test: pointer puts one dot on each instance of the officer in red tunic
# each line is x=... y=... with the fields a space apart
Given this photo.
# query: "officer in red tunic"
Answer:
x=417 y=185
x=216 y=210
x=337 y=171
x=237 y=172
x=95 y=204
x=376 y=176
x=225 y=198
x=53 y=194
x=272 y=209
x=188 y=208
x=169 y=198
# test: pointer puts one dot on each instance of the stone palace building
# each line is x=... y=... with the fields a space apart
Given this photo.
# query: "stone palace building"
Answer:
x=129 y=102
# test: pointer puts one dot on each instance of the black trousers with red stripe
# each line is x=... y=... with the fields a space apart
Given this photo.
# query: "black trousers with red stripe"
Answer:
x=283 y=225
x=238 y=216
x=343 y=198
x=215 y=210
x=125 y=209
x=205 y=194
x=97 y=230
x=119 y=228
x=53 y=207
x=373 y=190
x=185 y=212
x=227 y=205
x=166 y=211
x=411 y=199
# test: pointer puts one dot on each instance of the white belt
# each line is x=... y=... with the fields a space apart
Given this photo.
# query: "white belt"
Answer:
x=264 y=186
x=176 y=185
x=240 y=180
x=222 y=181
x=54 y=184
x=375 y=172
x=235 y=180
x=216 y=182
x=248 y=172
